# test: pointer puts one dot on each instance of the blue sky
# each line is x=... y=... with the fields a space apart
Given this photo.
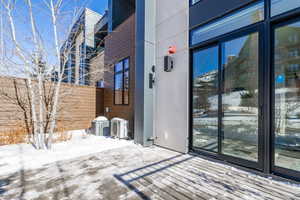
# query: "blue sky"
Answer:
x=98 y=5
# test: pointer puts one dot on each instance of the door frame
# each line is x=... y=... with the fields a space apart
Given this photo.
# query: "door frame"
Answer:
x=277 y=23
x=268 y=26
x=257 y=27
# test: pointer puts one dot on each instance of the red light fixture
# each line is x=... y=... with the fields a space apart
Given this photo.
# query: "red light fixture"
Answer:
x=172 y=50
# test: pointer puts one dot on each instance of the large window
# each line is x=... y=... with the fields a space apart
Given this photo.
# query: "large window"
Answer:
x=287 y=96
x=246 y=87
x=226 y=112
x=121 y=78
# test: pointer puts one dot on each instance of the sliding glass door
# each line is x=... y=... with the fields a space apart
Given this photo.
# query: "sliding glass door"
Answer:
x=225 y=102
x=240 y=92
x=246 y=87
x=286 y=96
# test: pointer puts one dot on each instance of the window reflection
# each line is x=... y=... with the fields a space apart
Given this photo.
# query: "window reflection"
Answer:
x=244 y=17
x=121 y=89
x=281 y=6
x=240 y=97
x=287 y=97
x=205 y=99
x=118 y=88
x=126 y=87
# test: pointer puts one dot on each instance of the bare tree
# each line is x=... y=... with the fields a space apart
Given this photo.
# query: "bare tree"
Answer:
x=41 y=62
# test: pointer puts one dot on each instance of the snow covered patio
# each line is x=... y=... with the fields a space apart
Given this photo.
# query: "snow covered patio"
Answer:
x=104 y=168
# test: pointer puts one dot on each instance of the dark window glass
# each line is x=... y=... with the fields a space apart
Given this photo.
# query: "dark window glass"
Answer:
x=82 y=65
x=240 y=97
x=126 y=64
x=126 y=87
x=287 y=96
x=122 y=82
x=281 y=6
x=244 y=17
x=119 y=88
x=205 y=99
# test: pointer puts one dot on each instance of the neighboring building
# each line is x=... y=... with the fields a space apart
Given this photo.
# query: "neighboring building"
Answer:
x=97 y=68
x=107 y=53
x=79 y=48
x=234 y=92
x=119 y=62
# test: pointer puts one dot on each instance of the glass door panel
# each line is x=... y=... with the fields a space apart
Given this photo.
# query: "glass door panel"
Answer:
x=287 y=96
x=240 y=94
x=205 y=99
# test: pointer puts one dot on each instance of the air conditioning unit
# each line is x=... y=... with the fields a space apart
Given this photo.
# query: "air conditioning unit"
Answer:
x=119 y=128
x=100 y=126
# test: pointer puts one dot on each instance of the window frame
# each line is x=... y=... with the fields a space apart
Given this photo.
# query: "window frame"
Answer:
x=123 y=71
x=218 y=41
x=278 y=22
x=268 y=25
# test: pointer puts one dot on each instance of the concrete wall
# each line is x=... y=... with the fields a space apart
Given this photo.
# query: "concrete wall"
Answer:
x=79 y=105
x=171 y=88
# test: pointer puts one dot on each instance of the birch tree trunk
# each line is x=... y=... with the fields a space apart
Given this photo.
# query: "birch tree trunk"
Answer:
x=21 y=55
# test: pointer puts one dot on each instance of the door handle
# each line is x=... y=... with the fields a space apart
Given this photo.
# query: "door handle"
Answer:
x=261 y=110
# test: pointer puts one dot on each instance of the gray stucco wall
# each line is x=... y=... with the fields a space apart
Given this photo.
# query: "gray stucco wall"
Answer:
x=171 y=88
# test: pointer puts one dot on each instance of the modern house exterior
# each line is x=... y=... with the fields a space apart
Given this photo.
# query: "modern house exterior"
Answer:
x=233 y=93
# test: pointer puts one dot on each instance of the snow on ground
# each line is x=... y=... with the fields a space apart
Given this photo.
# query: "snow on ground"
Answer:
x=133 y=172
x=13 y=158
x=102 y=168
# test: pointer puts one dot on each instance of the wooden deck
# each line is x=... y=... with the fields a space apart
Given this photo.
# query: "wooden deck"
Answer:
x=185 y=177
x=134 y=172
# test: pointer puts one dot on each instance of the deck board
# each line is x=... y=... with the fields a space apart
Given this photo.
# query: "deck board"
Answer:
x=133 y=172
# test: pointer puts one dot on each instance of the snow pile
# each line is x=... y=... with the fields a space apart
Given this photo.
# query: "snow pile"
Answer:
x=18 y=157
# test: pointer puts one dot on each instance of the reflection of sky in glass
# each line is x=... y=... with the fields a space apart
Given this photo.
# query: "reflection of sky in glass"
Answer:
x=242 y=18
x=118 y=81
x=235 y=48
x=296 y=25
x=205 y=61
x=119 y=67
x=281 y=6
